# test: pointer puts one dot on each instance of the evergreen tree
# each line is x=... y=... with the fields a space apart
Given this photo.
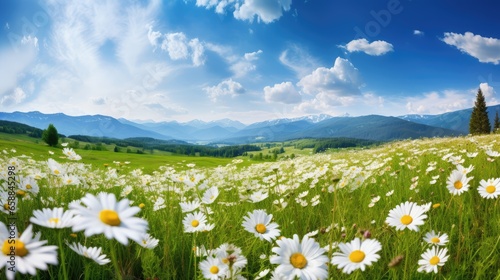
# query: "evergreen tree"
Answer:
x=479 y=122
x=50 y=136
x=496 y=123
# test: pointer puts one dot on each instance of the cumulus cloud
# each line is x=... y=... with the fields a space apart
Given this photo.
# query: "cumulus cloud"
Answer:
x=342 y=79
x=15 y=97
x=176 y=45
x=374 y=48
x=244 y=65
x=485 y=49
x=418 y=32
x=224 y=88
x=266 y=11
x=282 y=93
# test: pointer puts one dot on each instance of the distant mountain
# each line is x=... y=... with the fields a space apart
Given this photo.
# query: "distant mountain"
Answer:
x=457 y=120
x=96 y=125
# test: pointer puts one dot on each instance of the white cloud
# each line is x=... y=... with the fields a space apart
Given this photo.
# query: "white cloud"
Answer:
x=282 y=93
x=266 y=11
x=197 y=52
x=298 y=60
x=374 y=48
x=176 y=45
x=485 y=49
x=15 y=64
x=244 y=64
x=342 y=79
x=15 y=97
x=418 y=32
x=224 y=88
x=153 y=36
x=220 y=5
x=438 y=102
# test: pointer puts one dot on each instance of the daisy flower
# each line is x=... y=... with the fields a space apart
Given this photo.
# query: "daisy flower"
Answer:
x=213 y=268
x=259 y=223
x=28 y=252
x=356 y=255
x=458 y=182
x=407 y=215
x=258 y=196
x=55 y=167
x=305 y=260
x=436 y=239
x=432 y=258
x=103 y=214
x=52 y=218
x=93 y=253
x=210 y=195
x=194 y=222
x=231 y=255
x=490 y=188
x=148 y=241
x=190 y=206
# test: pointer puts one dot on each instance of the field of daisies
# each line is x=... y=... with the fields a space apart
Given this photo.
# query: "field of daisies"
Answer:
x=415 y=209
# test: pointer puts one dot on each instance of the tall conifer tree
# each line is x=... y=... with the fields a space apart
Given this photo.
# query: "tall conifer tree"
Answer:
x=479 y=122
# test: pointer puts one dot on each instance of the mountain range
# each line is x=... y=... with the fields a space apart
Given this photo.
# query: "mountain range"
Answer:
x=371 y=127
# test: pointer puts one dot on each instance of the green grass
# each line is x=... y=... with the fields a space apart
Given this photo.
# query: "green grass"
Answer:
x=346 y=183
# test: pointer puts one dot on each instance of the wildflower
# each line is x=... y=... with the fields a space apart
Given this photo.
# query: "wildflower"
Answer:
x=30 y=254
x=103 y=214
x=305 y=260
x=436 y=239
x=231 y=255
x=458 y=182
x=213 y=268
x=356 y=255
x=93 y=253
x=432 y=258
x=55 y=168
x=490 y=188
x=52 y=218
x=189 y=206
x=148 y=241
x=407 y=215
x=194 y=222
x=258 y=196
x=210 y=195
x=259 y=223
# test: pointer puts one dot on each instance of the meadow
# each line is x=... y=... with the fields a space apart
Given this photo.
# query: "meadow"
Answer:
x=422 y=209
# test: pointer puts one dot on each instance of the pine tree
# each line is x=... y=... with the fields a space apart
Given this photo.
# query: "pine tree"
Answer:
x=50 y=136
x=479 y=122
x=496 y=123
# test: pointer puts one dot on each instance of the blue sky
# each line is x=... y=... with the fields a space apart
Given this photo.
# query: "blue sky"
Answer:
x=248 y=60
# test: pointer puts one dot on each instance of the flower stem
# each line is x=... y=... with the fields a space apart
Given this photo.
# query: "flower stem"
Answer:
x=115 y=263
x=63 y=258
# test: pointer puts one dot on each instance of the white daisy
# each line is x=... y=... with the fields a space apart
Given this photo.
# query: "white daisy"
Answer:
x=93 y=253
x=356 y=255
x=210 y=195
x=458 y=182
x=52 y=218
x=148 y=241
x=190 y=206
x=231 y=255
x=194 y=222
x=432 y=258
x=436 y=238
x=55 y=168
x=103 y=214
x=407 y=215
x=305 y=260
x=258 y=196
x=490 y=188
x=24 y=254
x=213 y=268
x=259 y=223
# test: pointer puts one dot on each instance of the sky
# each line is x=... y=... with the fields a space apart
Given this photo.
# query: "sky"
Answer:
x=247 y=60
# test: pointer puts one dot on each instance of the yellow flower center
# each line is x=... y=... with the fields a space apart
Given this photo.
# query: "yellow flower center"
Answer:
x=17 y=246
x=214 y=269
x=54 y=220
x=109 y=217
x=436 y=205
x=434 y=260
x=28 y=187
x=192 y=178
x=195 y=223
x=6 y=206
x=21 y=193
x=225 y=260
x=260 y=228
x=458 y=185
x=406 y=220
x=69 y=181
x=142 y=205
x=357 y=256
x=73 y=235
x=298 y=260
x=435 y=240
x=56 y=172
x=490 y=189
